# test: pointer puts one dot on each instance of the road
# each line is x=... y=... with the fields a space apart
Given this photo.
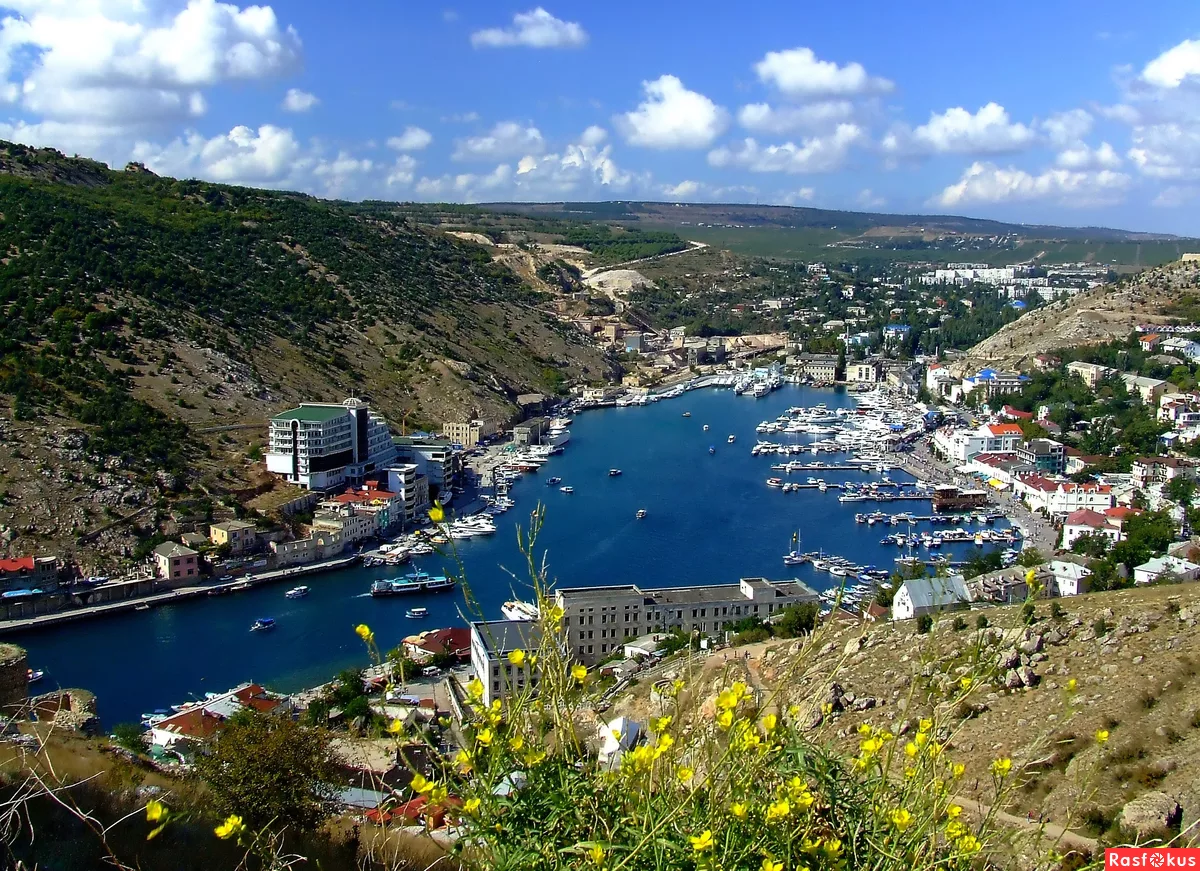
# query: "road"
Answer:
x=696 y=246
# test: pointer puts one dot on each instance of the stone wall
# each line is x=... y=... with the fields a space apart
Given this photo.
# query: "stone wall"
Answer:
x=14 y=677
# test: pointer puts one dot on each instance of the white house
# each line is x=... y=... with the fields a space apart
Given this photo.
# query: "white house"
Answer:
x=1085 y=521
x=1060 y=498
x=616 y=737
x=929 y=595
x=1070 y=578
x=1150 y=571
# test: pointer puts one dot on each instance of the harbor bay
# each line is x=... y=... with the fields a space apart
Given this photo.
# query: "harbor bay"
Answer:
x=710 y=517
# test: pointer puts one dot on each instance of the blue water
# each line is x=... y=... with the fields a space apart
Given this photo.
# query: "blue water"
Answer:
x=710 y=519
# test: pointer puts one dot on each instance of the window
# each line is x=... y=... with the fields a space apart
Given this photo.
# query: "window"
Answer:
x=589 y=648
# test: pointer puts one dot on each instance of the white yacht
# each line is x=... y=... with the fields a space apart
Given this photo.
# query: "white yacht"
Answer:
x=515 y=609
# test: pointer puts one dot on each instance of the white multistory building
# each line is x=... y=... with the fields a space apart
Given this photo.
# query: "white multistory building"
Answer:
x=324 y=445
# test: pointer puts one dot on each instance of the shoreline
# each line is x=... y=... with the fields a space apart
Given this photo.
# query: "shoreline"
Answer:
x=45 y=621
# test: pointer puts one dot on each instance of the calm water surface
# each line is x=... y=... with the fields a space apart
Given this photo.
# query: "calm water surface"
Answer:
x=711 y=519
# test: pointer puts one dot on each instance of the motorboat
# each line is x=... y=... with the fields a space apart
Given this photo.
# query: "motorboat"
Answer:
x=515 y=609
x=394 y=587
x=416 y=613
x=262 y=624
x=240 y=585
x=706 y=427
x=731 y=439
x=567 y=489
x=711 y=449
x=297 y=592
x=550 y=482
x=687 y=414
x=141 y=606
x=34 y=675
x=613 y=473
x=641 y=513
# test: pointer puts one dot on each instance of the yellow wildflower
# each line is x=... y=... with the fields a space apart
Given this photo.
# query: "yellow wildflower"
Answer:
x=232 y=827
x=363 y=631
x=676 y=686
x=471 y=805
x=955 y=830
x=1101 y=736
x=793 y=711
x=725 y=719
x=727 y=700
x=769 y=865
x=437 y=514
x=515 y=743
x=420 y=783
x=475 y=688
x=968 y=845
x=864 y=729
x=702 y=842
x=438 y=794
x=155 y=811
x=935 y=749
x=554 y=615
x=777 y=810
x=484 y=737
x=957 y=770
x=809 y=845
x=596 y=854
x=911 y=749
x=463 y=758
x=684 y=774
x=516 y=657
x=871 y=746
x=395 y=727
x=769 y=722
x=662 y=745
x=965 y=683
x=1001 y=767
x=827 y=709
x=1071 y=684
x=910 y=772
x=738 y=809
x=660 y=724
x=954 y=811
x=832 y=848
x=925 y=724
x=901 y=818
x=579 y=672
x=922 y=738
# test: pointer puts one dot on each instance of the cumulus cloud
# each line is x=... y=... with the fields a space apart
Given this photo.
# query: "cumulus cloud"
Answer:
x=1080 y=156
x=800 y=195
x=412 y=139
x=534 y=29
x=798 y=72
x=296 y=100
x=1167 y=150
x=116 y=63
x=671 y=116
x=1174 y=66
x=807 y=118
x=266 y=157
x=868 y=199
x=681 y=191
x=988 y=183
x=583 y=166
x=507 y=139
x=401 y=172
x=1067 y=128
x=343 y=174
x=957 y=131
x=815 y=154
x=466 y=186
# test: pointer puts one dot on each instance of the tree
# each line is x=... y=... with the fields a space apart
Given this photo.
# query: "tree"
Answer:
x=797 y=620
x=1180 y=490
x=271 y=771
x=1031 y=557
x=924 y=624
x=1093 y=544
x=130 y=736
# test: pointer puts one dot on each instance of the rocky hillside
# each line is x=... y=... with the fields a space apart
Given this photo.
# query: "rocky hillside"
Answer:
x=1134 y=660
x=1167 y=294
x=152 y=324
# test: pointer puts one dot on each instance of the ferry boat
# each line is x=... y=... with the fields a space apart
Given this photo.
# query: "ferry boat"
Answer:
x=641 y=513
x=567 y=489
x=515 y=609
x=34 y=675
x=297 y=592
x=731 y=439
x=262 y=624
x=438 y=582
x=613 y=473
x=394 y=587
x=550 y=482
x=416 y=613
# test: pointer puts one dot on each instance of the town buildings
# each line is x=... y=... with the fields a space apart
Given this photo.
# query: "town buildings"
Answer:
x=435 y=459
x=176 y=562
x=29 y=573
x=1164 y=567
x=1046 y=456
x=201 y=722
x=1091 y=373
x=1069 y=578
x=324 y=445
x=468 y=433
x=1059 y=498
x=1148 y=471
x=1086 y=521
x=320 y=544
x=920 y=596
x=238 y=535
x=491 y=643
x=597 y=620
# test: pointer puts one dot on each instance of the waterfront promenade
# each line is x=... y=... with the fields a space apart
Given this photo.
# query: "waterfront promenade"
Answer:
x=178 y=594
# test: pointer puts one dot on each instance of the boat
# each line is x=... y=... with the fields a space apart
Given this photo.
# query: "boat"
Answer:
x=687 y=414
x=394 y=587
x=438 y=582
x=641 y=513
x=34 y=675
x=711 y=449
x=416 y=613
x=613 y=473
x=141 y=606
x=567 y=489
x=706 y=427
x=550 y=482
x=240 y=585
x=262 y=624
x=297 y=592
x=731 y=439
x=515 y=609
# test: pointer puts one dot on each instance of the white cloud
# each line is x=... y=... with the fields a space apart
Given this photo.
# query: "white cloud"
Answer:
x=296 y=100
x=401 y=172
x=1167 y=151
x=868 y=199
x=815 y=154
x=681 y=191
x=534 y=29
x=116 y=62
x=506 y=140
x=583 y=166
x=957 y=131
x=764 y=118
x=467 y=186
x=1174 y=196
x=1080 y=156
x=266 y=157
x=1066 y=128
x=800 y=195
x=988 y=183
x=798 y=72
x=412 y=139
x=343 y=174
x=461 y=118
x=1174 y=66
x=671 y=116
x=594 y=135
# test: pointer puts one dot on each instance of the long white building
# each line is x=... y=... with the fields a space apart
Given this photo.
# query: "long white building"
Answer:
x=323 y=445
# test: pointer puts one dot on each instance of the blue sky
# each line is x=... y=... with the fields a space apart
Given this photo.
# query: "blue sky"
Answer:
x=1080 y=113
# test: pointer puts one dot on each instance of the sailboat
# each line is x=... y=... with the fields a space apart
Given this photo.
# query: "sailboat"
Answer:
x=794 y=557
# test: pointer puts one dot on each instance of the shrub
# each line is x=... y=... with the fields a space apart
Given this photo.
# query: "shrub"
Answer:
x=130 y=736
x=959 y=623
x=1100 y=627
x=981 y=622
x=1056 y=610
x=924 y=624
x=1028 y=613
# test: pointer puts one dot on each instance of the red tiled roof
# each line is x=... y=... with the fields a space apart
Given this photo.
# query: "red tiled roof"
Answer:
x=1009 y=411
x=453 y=640
x=1120 y=512
x=1151 y=337
x=1087 y=517
x=15 y=565
x=192 y=723
x=352 y=496
x=1001 y=429
x=1046 y=485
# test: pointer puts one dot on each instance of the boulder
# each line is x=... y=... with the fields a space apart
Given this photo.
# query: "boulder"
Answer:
x=1007 y=659
x=1031 y=645
x=1151 y=815
x=854 y=645
x=866 y=703
x=1012 y=680
x=1028 y=676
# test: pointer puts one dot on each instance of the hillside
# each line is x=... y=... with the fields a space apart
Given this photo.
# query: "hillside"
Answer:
x=1133 y=657
x=145 y=314
x=1162 y=295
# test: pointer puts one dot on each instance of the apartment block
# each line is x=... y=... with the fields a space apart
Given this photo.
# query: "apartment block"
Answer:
x=468 y=433
x=239 y=535
x=325 y=445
